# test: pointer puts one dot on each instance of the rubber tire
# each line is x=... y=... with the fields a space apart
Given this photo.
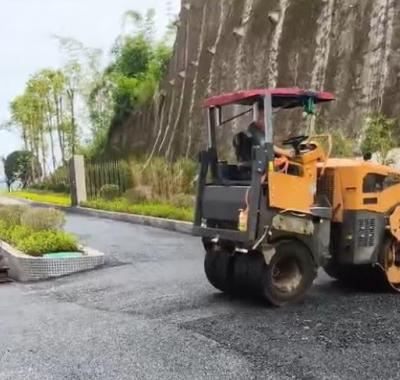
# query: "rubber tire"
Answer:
x=365 y=277
x=218 y=268
x=334 y=270
x=348 y=275
x=289 y=249
x=247 y=273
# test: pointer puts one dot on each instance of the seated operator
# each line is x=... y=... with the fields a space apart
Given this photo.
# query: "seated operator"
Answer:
x=255 y=135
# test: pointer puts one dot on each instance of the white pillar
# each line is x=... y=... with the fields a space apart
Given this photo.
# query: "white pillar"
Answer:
x=78 y=180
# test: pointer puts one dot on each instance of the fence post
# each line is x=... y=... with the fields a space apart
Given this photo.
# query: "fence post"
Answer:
x=78 y=180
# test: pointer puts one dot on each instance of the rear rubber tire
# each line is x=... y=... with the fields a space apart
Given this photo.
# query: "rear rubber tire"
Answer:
x=366 y=277
x=345 y=274
x=333 y=270
x=217 y=266
x=289 y=275
x=247 y=273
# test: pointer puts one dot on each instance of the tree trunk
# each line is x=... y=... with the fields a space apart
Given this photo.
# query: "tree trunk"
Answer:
x=50 y=130
x=43 y=149
x=35 y=175
x=25 y=138
x=58 y=104
x=53 y=155
x=71 y=96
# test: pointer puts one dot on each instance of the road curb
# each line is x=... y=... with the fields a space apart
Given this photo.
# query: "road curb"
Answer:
x=150 y=221
x=165 y=224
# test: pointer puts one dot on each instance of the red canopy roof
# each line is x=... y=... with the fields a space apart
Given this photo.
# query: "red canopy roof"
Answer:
x=280 y=96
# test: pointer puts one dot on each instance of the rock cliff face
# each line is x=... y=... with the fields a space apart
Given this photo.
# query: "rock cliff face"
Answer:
x=348 y=47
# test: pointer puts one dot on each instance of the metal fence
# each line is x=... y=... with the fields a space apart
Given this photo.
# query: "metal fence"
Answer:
x=99 y=174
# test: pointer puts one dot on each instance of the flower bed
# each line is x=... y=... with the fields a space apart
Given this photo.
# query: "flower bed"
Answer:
x=25 y=268
x=35 y=231
x=36 y=247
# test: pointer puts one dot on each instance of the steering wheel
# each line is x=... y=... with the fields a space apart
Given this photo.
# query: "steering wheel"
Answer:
x=295 y=142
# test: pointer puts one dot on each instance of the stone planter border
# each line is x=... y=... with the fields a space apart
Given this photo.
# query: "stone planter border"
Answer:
x=26 y=268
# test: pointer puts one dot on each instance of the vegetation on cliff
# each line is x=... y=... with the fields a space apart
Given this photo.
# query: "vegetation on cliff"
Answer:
x=70 y=109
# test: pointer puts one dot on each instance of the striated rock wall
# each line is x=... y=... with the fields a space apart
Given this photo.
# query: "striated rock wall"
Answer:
x=348 y=47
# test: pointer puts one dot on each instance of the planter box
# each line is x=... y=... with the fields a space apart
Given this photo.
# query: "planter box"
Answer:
x=27 y=268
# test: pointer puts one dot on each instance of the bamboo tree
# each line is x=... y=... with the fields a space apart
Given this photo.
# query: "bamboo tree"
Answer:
x=36 y=91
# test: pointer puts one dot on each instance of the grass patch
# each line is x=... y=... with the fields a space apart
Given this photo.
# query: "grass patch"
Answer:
x=159 y=210
x=56 y=199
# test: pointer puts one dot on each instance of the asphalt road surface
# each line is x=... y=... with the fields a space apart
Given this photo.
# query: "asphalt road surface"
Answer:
x=150 y=314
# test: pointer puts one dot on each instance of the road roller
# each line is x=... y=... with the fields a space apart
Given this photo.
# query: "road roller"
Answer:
x=271 y=217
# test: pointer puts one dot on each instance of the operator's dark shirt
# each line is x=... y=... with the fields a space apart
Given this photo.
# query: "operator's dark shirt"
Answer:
x=256 y=134
x=244 y=142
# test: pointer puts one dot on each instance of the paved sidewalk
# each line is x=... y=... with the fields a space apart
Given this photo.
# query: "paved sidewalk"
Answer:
x=9 y=201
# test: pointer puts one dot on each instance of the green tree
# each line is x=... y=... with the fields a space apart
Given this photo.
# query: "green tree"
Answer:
x=138 y=67
x=19 y=119
x=53 y=92
x=21 y=166
x=81 y=72
x=132 y=56
x=139 y=63
x=379 y=136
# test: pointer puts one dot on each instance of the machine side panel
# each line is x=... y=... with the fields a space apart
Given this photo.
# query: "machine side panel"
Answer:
x=359 y=238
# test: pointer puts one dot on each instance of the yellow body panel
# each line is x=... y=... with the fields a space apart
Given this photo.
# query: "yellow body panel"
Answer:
x=296 y=192
x=348 y=190
x=394 y=221
x=289 y=192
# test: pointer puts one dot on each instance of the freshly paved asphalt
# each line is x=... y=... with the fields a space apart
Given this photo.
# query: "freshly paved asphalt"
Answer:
x=150 y=314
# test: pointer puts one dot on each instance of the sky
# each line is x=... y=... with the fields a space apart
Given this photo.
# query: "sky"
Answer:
x=27 y=44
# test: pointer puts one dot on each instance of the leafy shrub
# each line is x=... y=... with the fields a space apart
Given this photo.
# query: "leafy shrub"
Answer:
x=57 y=182
x=17 y=234
x=11 y=215
x=188 y=171
x=125 y=174
x=60 y=187
x=40 y=242
x=160 y=210
x=39 y=219
x=139 y=194
x=183 y=200
x=4 y=231
x=379 y=136
x=109 y=192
